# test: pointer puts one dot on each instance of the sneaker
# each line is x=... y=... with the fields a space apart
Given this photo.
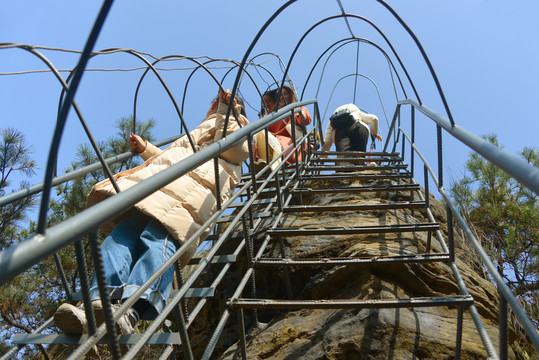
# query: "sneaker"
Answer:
x=71 y=319
x=125 y=325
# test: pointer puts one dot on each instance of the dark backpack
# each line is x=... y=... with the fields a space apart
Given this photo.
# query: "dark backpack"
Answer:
x=342 y=119
x=353 y=138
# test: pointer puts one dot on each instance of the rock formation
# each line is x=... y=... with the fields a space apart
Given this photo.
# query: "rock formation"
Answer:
x=420 y=333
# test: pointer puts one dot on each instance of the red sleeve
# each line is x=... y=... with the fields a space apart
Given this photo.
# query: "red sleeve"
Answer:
x=303 y=117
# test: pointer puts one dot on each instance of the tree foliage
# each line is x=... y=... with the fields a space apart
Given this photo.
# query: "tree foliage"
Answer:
x=15 y=161
x=504 y=215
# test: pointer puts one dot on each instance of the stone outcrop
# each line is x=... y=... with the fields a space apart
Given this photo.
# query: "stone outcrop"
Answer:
x=420 y=333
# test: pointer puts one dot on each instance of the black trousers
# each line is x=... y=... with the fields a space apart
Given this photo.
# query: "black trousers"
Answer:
x=353 y=138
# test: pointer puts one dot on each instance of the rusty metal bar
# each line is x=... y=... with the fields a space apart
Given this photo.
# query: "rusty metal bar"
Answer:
x=355 y=207
x=355 y=167
x=244 y=303
x=361 y=153
x=358 y=176
x=421 y=258
x=357 y=159
x=352 y=188
x=353 y=230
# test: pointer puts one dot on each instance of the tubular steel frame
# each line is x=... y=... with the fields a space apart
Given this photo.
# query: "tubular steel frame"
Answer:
x=283 y=183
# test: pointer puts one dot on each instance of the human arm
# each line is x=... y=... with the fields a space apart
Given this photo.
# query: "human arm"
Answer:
x=372 y=120
x=238 y=153
x=144 y=148
x=303 y=117
x=328 y=138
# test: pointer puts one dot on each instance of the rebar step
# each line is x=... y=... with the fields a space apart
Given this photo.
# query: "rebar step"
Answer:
x=357 y=153
x=263 y=214
x=354 y=188
x=265 y=201
x=155 y=339
x=356 y=207
x=354 y=230
x=356 y=167
x=355 y=176
x=287 y=171
x=357 y=159
x=191 y=293
x=217 y=259
x=270 y=182
x=420 y=258
x=456 y=300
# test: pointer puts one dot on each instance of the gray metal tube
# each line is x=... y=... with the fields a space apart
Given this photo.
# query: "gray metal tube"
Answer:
x=496 y=277
x=18 y=258
x=17 y=195
x=514 y=166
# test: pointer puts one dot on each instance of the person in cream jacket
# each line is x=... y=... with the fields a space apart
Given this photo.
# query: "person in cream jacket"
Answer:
x=158 y=225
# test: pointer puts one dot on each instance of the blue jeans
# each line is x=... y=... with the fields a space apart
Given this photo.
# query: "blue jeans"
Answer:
x=132 y=252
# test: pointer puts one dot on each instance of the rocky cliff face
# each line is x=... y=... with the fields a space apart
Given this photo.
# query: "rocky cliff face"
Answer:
x=418 y=333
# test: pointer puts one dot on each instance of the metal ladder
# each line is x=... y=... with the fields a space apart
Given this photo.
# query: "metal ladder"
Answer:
x=349 y=174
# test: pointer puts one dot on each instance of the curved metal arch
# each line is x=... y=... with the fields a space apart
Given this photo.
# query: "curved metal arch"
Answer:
x=222 y=80
x=244 y=60
x=281 y=64
x=180 y=57
x=352 y=40
x=65 y=87
x=62 y=116
x=105 y=166
x=425 y=57
x=150 y=66
x=392 y=49
x=358 y=17
x=248 y=74
x=366 y=77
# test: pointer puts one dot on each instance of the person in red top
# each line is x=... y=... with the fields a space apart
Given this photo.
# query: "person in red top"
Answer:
x=282 y=130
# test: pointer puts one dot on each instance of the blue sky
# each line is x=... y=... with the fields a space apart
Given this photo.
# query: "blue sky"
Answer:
x=485 y=54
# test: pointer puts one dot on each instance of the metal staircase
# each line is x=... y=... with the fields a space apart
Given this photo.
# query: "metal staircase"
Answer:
x=389 y=174
x=218 y=298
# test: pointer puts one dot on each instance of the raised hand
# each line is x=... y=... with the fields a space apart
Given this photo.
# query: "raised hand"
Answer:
x=136 y=143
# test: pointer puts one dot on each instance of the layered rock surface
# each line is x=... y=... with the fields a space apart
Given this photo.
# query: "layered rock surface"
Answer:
x=390 y=333
x=420 y=333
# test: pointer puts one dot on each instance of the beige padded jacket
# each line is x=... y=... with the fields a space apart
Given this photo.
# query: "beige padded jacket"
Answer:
x=186 y=203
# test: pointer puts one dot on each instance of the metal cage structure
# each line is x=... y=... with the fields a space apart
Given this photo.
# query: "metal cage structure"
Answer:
x=252 y=220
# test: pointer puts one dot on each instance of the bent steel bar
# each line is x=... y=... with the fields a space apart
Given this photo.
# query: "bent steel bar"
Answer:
x=65 y=87
x=358 y=40
x=353 y=16
x=66 y=106
x=16 y=259
x=425 y=57
x=372 y=82
x=514 y=166
x=502 y=287
x=246 y=55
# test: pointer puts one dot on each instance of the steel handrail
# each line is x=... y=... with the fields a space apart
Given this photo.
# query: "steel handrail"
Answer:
x=480 y=144
x=517 y=168
x=71 y=175
x=20 y=257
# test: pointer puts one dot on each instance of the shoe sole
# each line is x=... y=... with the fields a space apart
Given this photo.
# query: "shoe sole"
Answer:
x=68 y=321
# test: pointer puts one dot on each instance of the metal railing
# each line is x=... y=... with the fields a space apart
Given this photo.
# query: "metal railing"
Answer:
x=517 y=168
x=244 y=222
x=19 y=258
